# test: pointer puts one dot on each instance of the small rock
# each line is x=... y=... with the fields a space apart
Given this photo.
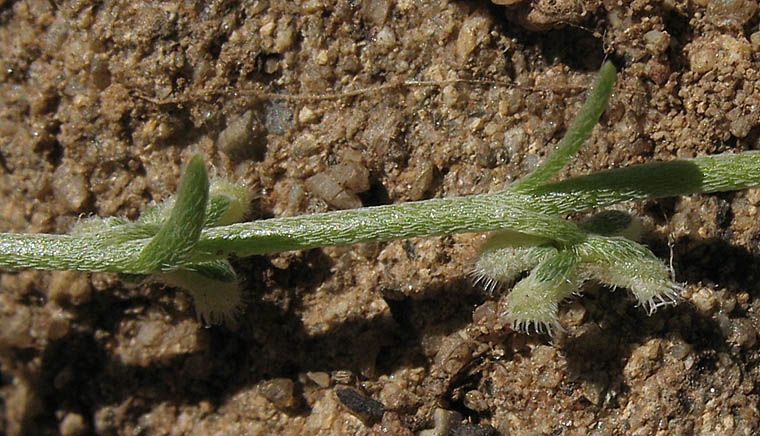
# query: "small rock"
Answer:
x=392 y=425
x=326 y=188
x=323 y=57
x=351 y=175
x=321 y=378
x=704 y=300
x=278 y=118
x=17 y=324
x=475 y=400
x=59 y=327
x=72 y=425
x=743 y=333
x=422 y=179
x=338 y=185
x=722 y=12
x=593 y=387
x=474 y=31
x=385 y=39
x=376 y=11
x=243 y=136
x=705 y=54
x=70 y=187
x=306 y=115
x=285 y=35
x=657 y=41
x=71 y=287
x=443 y=421
x=450 y=95
x=363 y=407
x=279 y=392
x=740 y=127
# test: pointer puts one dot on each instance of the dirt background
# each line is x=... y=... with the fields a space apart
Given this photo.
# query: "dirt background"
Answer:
x=306 y=102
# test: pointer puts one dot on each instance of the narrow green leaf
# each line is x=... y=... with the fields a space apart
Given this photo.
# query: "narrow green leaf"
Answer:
x=577 y=134
x=179 y=234
x=216 y=209
x=613 y=223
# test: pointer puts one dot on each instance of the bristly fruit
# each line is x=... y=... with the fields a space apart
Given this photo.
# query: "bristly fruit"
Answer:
x=557 y=273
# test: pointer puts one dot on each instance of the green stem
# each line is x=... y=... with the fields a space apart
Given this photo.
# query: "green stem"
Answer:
x=477 y=213
x=533 y=213
x=706 y=174
x=63 y=252
x=531 y=207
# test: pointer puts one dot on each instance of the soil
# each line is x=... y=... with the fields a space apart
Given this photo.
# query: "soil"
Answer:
x=317 y=105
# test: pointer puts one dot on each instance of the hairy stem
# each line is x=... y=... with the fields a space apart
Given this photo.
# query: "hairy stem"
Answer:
x=533 y=207
x=534 y=212
x=477 y=213
x=724 y=172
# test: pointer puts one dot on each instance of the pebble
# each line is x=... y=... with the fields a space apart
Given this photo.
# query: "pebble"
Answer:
x=70 y=287
x=385 y=39
x=243 y=135
x=17 y=325
x=704 y=300
x=722 y=12
x=279 y=391
x=376 y=10
x=285 y=35
x=306 y=115
x=363 y=407
x=743 y=333
x=450 y=95
x=422 y=179
x=657 y=41
x=707 y=54
x=70 y=187
x=475 y=400
x=474 y=31
x=443 y=420
x=59 y=326
x=72 y=425
x=321 y=378
x=339 y=185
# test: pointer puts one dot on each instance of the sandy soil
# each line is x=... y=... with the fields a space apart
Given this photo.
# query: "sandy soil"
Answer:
x=102 y=102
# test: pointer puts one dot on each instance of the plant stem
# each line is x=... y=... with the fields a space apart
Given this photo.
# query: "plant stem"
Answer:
x=64 y=252
x=477 y=213
x=535 y=212
x=531 y=207
x=706 y=174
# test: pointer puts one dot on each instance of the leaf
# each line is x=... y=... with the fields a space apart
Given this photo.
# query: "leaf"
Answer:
x=179 y=234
